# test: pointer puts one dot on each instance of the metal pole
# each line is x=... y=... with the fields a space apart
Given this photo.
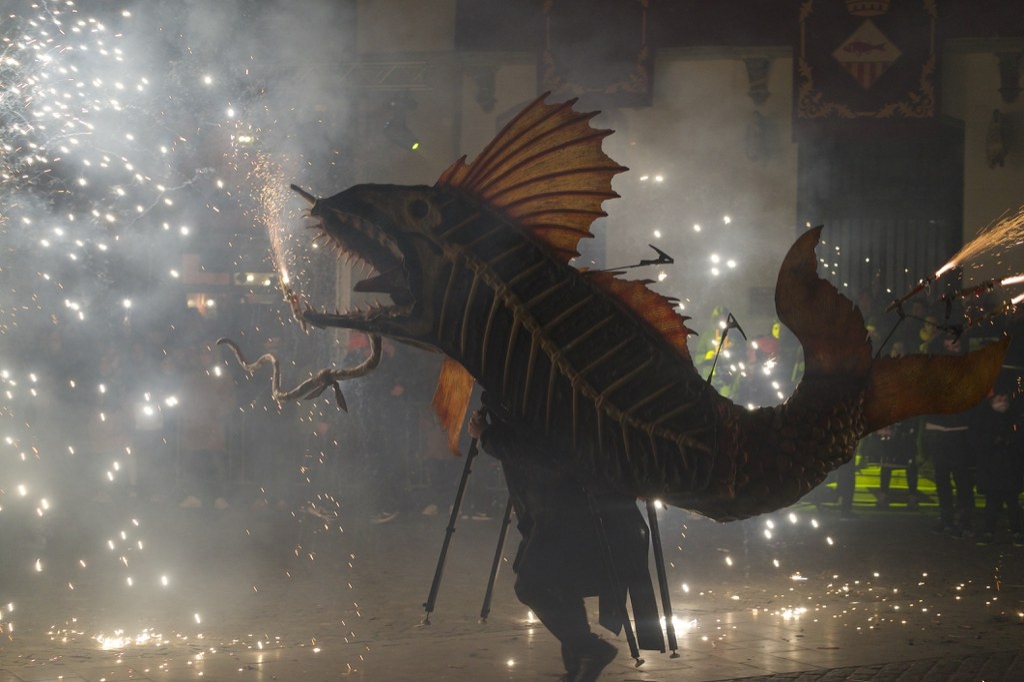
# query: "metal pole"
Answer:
x=449 y=531
x=731 y=323
x=485 y=610
x=613 y=574
x=659 y=563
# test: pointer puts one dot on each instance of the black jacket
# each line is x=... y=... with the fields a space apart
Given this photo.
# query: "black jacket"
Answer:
x=999 y=450
x=604 y=529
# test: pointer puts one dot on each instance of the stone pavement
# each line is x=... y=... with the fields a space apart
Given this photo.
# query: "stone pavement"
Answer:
x=1006 y=665
x=118 y=591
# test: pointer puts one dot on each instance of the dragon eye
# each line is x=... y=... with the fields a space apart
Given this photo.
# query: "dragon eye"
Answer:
x=419 y=209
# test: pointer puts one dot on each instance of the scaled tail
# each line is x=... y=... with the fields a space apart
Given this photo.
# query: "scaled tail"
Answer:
x=829 y=327
x=904 y=387
x=836 y=349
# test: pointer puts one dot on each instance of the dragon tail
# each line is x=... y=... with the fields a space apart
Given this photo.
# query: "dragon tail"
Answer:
x=904 y=387
x=782 y=452
x=827 y=324
x=839 y=350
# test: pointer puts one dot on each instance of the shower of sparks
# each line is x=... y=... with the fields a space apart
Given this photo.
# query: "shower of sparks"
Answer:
x=987 y=258
x=120 y=150
x=101 y=173
x=991 y=245
x=270 y=183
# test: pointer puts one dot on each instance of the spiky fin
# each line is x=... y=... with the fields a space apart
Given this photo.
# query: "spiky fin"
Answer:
x=451 y=400
x=656 y=310
x=546 y=172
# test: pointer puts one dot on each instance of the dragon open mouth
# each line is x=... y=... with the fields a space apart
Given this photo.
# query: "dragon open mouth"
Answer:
x=363 y=244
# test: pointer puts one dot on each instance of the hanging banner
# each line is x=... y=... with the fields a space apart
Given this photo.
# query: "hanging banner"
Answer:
x=865 y=61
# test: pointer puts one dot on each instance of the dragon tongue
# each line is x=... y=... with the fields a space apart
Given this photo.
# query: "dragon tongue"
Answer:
x=382 y=284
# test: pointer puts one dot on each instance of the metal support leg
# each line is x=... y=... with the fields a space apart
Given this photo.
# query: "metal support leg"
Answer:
x=485 y=610
x=659 y=563
x=435 y=586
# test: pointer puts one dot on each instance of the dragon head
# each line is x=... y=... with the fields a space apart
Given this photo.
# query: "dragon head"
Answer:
x=544 y=174
x=389 y=228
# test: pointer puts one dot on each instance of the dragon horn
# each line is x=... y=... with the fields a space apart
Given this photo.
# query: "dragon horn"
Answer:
x=304 y=194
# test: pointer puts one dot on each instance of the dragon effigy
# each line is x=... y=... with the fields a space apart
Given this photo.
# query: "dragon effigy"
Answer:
x=477 y=268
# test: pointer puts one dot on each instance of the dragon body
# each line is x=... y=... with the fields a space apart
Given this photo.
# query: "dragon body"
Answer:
x=477 y=268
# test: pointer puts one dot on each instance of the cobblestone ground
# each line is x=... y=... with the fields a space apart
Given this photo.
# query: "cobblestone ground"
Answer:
x=130 y=590
x=1003 y=665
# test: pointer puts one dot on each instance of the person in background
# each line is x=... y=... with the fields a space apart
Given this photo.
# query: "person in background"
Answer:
x=945 y=441
x=846 y=488
x=1000 y=461
x=575 y=543
x=206 y=401
x=895 y=447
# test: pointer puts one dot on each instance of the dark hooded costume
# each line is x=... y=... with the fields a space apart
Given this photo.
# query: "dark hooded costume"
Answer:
x=576 y=543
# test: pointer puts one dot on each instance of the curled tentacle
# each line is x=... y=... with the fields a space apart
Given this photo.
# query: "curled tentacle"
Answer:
x=316 y=384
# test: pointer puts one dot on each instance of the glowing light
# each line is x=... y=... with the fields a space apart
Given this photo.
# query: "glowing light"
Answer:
x=119 y=640
x=679 y=624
